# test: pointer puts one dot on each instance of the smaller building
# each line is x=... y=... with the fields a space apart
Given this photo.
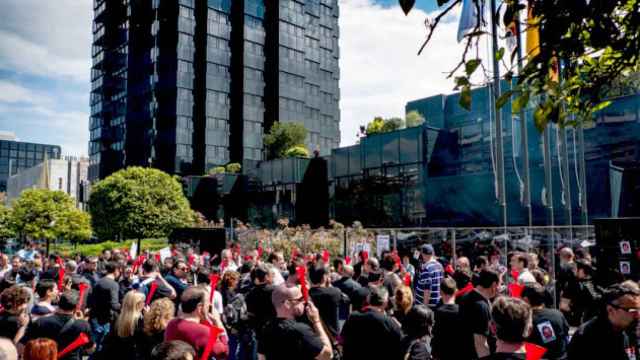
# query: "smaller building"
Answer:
x=16 y=156
x=69 y=175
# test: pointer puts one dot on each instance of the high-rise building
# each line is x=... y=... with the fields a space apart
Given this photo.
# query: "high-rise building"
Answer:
x=186 y=85
x=17 y=155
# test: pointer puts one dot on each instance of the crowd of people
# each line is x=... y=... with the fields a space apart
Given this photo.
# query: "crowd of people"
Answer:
x=255 y=304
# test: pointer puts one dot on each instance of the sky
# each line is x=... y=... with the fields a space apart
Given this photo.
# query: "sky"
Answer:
x=45 y=60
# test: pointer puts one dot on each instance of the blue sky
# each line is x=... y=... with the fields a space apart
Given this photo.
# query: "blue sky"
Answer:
x=45 y=49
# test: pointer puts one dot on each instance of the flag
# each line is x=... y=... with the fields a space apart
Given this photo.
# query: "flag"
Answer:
x=511 y=37
x=468 y=17
x=533 y=33
x=213 y=278
x=534 y=352
x=152 y=291
x=81 y=340
x=301 y=271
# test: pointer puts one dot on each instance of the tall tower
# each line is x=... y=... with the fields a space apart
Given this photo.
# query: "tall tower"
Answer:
x=186 y=85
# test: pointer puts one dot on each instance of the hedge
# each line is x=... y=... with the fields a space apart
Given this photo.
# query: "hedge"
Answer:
x=68 y=249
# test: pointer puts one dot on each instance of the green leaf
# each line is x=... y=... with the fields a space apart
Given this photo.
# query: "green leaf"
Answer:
x=601 y=106
x=540 y=119
x=461 y=81
x=520 y=102
x=500 y=54
x=503 y=99
x=471 y=66
x=465 y=98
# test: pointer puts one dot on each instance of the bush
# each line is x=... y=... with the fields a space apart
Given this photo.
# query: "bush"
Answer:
x=217 y=170
x=297 y=151
x=68 y=249
x=233 y=168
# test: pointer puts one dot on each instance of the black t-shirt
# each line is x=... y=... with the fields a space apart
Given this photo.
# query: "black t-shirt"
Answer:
x=550 y=330
x=288 y=339
x=359 y=298
x=9 y=325
x=416 y=349
x=371 y=334
x=475 y=315
x=596 y=339
x=51 y=327
x=446 y=328
x=259 y=306
x=327 y=300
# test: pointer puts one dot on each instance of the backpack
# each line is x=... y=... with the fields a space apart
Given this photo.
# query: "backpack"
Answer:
x=235 y=312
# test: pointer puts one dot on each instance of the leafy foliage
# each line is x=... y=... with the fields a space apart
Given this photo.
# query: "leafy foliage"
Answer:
x=413 y=119
x=233 y=168
x=138 y=203
x=297 y=151
x=69 y=249
x=217 y=170
x=5 y=223
x=592 y=44
x=46 y=214
x=282 y=137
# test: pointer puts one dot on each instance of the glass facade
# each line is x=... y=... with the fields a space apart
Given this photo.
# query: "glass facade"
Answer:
x=308 y=71
x=181 y=85
x=462 y=191
x=16 y=156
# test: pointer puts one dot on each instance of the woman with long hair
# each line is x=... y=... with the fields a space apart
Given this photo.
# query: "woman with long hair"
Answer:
x=155 y=322
x=40 y=349
x=121 y=343
x=403 y=303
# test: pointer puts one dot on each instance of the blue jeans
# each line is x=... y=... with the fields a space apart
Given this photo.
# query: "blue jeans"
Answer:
x=99 y=333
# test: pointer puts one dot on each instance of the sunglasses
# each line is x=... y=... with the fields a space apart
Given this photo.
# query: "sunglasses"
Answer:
x=631 y=311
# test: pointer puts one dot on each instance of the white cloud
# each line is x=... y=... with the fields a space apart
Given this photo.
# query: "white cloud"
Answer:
x=380 y=69
x=12 y=93
x=47 y=38
x=22 y=56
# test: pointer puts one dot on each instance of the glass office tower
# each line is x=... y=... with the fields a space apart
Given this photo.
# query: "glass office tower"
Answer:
x=186 y=85
x=16 y=156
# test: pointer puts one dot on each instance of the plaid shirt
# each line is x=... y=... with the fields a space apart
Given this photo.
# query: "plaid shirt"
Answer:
x=431 y=274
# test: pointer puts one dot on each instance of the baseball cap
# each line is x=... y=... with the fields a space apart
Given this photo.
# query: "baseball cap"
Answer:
x=427 y=249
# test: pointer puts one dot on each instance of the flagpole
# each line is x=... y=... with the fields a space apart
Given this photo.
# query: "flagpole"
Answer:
x=524 y=133
x=499 y=139
x=583 y=175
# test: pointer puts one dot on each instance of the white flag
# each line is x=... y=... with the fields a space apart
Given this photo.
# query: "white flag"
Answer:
x=133 y=250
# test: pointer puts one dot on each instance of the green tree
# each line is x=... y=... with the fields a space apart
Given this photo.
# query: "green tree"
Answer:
x=283 y=136
x=6 y=231
x=297 y=151
x=138 y=203
x=233 y=168
x=596 y=42
x=392 y=124
x=47 y=214
x=376 y=126
x=413 y=119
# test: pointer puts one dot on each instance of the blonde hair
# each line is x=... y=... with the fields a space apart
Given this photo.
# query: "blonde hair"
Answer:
x=404 y=298
x=155 y=320
x=130 y=314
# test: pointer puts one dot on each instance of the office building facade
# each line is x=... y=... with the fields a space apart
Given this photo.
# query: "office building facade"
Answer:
x=16 y=156
x=186 y=85
x=69 y=175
